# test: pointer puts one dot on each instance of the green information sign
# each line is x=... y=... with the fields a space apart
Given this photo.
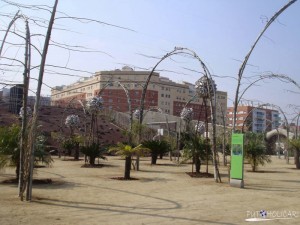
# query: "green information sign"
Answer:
x=237 y=156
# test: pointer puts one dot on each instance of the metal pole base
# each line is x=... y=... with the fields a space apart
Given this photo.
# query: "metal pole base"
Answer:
x=236 y=183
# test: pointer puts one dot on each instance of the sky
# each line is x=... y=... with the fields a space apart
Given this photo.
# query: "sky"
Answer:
x=221 y=32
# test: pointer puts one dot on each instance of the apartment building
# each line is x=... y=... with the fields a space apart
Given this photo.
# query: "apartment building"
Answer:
x=250 y=118
x=163 y=93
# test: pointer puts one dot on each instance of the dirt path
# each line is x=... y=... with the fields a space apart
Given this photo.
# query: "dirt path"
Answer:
x=163 y=194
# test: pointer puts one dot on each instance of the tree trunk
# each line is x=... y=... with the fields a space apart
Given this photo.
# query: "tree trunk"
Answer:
x=127 y=167
x=69 y=151
x=161 y=155
x=18 y=171
x=153 y=159
x=254 y=165
x=137 y=163
x=296 y=157
x=76 y=155
x=92 y=160
x=197 y=164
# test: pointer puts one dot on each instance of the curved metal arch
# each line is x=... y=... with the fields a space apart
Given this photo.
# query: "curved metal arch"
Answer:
x=128 y=101
x=262 y=105
x=99 y=94
x=190 y=100
x=153 y=108
x=269 y=76
x=129 y=107
x=244 y=64
x=187 y=51
x=16 y=17
x=176 y=51
x=26 y=77
x=125 y=90
x=270 y=122
x=286 y=121
x=297 y=124
x=160 y=111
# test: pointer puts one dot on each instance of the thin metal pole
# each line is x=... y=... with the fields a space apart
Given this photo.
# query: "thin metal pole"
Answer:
x=37 y=101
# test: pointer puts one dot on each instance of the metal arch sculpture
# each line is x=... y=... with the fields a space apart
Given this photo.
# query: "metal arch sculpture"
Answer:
x=269 y=76
x=176 y=51
x=200 y=128
x=99 y=95
x=187 y=51
x=125 y=90
x=187 y=114
x=190 y=100
x=285 y=119
x=137 y=115
x=129 y=108
x=128 y=102
x=262 y=105
x=244 y=64
x=28 y=110
x=297 y=124
x=204 y=87
x=26 y=162
x=223 y=120
x=16 y=17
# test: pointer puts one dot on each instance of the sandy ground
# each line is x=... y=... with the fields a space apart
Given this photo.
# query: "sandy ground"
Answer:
x=163 y=194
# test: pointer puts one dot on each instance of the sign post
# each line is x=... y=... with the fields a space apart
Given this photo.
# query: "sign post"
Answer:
x=237 y=161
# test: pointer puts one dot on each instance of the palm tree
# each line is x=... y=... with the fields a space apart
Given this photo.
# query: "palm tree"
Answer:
x=140 y=132
x=196 y=148
x=157 y=148
x=93 y=151
x=10 y=148
x=128 y=151
x=255 y=150
x=295 y=143
x=72 y=143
